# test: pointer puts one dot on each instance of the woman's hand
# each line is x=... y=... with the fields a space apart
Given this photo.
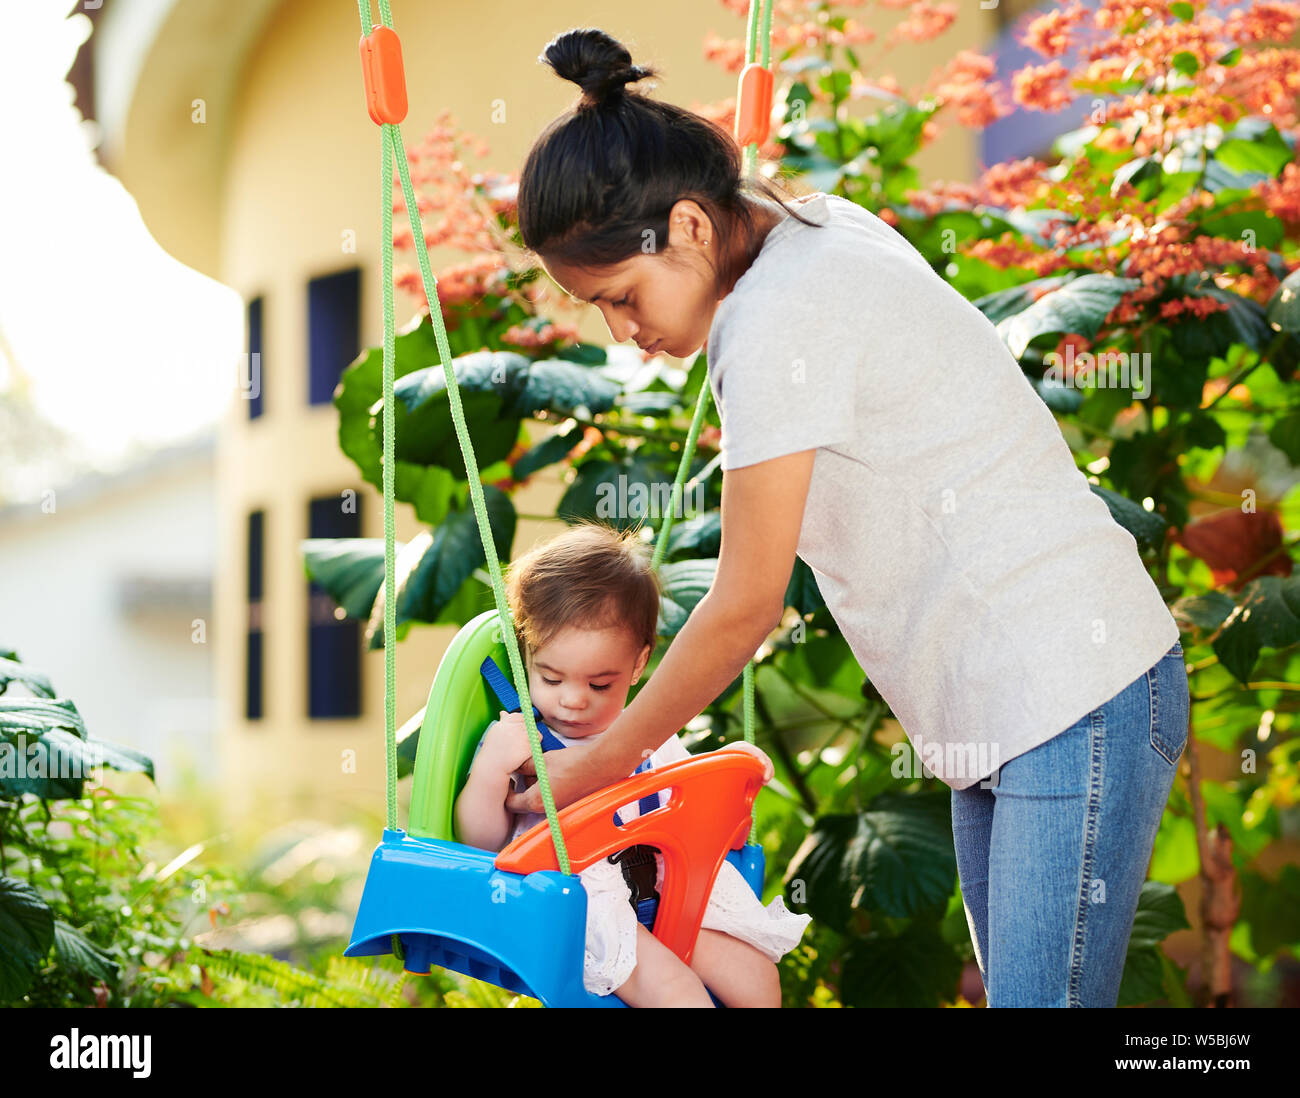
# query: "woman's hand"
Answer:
x=573 y=775
x=750 y=749
x=572 y=772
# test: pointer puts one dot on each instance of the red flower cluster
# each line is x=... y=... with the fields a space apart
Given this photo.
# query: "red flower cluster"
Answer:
x=1199 y=307
x=1042 y=87
x=925 y=21
x=964 y=83
x=1282 y=195
x=1051 y=34
x=543 y=335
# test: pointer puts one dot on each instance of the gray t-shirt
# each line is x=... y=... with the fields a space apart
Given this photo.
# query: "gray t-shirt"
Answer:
x=983 y=587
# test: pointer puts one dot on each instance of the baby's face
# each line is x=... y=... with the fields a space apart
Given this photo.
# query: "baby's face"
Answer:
x=580 y=679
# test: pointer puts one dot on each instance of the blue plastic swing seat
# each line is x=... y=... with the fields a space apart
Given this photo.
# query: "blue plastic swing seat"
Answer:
x=447 y=902
x=452 y=908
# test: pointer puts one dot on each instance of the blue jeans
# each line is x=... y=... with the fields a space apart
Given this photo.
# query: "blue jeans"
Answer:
x=1052 y=855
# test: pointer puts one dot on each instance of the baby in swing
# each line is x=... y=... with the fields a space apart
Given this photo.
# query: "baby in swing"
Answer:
x=586 y=609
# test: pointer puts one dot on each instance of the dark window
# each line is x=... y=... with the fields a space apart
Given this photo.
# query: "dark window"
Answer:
x=334 y=330
x=333 y=642
x=253 y=380
x=253 y=655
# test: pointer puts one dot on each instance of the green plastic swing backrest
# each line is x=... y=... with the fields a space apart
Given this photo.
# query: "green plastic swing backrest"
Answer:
x=461 y=706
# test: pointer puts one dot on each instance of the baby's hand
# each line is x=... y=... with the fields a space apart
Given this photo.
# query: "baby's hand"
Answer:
x=508 y=741
x=750 y=749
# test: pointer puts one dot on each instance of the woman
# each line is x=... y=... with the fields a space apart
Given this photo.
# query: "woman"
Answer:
x=874 y=423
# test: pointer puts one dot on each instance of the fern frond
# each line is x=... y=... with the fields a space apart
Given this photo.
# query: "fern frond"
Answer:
x=289 y=983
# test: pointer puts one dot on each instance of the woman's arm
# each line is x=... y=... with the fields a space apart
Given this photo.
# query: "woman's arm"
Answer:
x=762 y=512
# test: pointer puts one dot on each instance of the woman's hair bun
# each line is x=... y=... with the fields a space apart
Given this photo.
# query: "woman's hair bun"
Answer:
x=597 y=63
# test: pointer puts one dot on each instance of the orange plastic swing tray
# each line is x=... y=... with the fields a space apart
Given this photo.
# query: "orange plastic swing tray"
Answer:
x=708 y=812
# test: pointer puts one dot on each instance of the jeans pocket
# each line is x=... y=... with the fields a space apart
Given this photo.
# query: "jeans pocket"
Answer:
x=1169 y=705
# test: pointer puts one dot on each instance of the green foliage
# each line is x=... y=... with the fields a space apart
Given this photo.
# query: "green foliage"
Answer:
x=87 y=917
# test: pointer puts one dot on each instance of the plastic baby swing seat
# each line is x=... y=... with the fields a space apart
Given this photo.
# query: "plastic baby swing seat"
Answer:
x=511 y=918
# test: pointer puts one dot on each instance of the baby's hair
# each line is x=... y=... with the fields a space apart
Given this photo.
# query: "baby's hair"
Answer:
x=591 y=576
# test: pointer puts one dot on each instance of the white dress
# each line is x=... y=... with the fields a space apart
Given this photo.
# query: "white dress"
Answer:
x=610 y=951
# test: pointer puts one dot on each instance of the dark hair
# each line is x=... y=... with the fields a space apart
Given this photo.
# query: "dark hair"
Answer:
x=612 y=168
x=591 y=576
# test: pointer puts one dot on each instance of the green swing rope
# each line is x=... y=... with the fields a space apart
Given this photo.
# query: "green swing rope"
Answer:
x=392 y=148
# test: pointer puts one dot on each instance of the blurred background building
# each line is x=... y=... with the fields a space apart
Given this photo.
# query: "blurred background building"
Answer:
x=108 y=590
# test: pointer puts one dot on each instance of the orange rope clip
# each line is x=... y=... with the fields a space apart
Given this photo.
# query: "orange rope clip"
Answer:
x=385 y=80
x=753 y=105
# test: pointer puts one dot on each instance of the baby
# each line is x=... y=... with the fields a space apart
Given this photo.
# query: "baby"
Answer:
x=586 y=608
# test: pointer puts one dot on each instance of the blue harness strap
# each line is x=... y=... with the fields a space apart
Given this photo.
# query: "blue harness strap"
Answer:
x=646 y=907
x=496 y=678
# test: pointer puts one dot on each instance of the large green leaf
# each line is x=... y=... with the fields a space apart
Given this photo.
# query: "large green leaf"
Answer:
x=1284 y=306
x=26 y=933
x=498 y=389
x=425 y=431
x=647 y=402
x=1159 y=913
x=1059 y=397
x=1147 y=528
x=1080 y=306
x=1204 y=337
x=93 y=752
x=435 y=565
x=896 y=857
x=1267 y=615
x=1037 y=225
x=1285 y=435
x=13 y=671
x=550 y=450
x=895 y=131
x=1007 y=303
x=589 y=354
x=1266 y=227
x=1206 y=612
x=684 y=583
x=55 y=764
x=39 y=715
x=430 y=570
x=916 y=968
x=700 y=536
x=1265 y=152
x=351 y=570
x=1143 y=173
x=77 y=953
x=359 y=392
x=624 y=494
x=827 y=662
x=522 y=387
